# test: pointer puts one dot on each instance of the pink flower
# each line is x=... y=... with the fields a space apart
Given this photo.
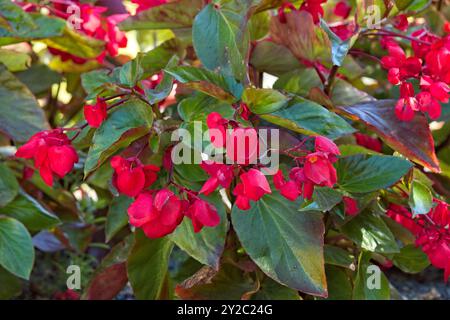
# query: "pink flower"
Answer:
x=401 y=22
x=157 y=214
x=52 y=152
x=253 y=186
x=202 y=214
x=220 y=174
x=131 y=176
x=351 y=206
x=95 y=114
x=342 y=9
x=288 y=189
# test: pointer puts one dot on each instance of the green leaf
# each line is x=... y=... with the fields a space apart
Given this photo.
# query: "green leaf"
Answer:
x=216 y=42
x=77 y=44
x=127 y=123
x=30 y=212
x=207 y=245
x=198 y=107
x=338 y=257
x=272 y=290
x=339 y=48
x=171 y=15
x=39 y=78
x=46 y=27
x=8 y=185
x=147 y=266
x=131 y=72
x=339 y=284
x=20 y=114
x=412 y=139
x=262 y=58
x=411 y=259
x=288 y=245
x=261 y=101
x=420 y=198
x=307 y=117
x=370 y=232
x=16 y=248
x=117 y=217
x=366 y=173
x=365 y=276
x=402 y=4
x=11 y=286
x=14 y=61
x=15 y=19
x=213 y=84
x=324 y=199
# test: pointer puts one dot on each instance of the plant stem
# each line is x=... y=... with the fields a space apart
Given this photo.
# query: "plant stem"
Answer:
x=330 y=80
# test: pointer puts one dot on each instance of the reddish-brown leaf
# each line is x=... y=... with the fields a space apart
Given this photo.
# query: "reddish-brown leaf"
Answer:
x=412 y=139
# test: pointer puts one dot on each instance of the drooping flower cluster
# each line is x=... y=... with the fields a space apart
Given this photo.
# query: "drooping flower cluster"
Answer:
x=93 y=24
x=430 y=64
x=317 y=170
x=52 y=153
x=431 y=232
x=158 y=212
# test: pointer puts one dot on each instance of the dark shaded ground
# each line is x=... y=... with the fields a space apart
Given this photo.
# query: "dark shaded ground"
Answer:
x=427 y=285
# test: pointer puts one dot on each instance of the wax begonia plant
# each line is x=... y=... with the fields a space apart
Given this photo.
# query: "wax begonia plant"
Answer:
x=289 y=143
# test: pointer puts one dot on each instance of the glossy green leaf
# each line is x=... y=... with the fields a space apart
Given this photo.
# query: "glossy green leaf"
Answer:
x=147 y=266
x=261 y=101
x=213 y=84
x=272 y=290
x=127 y=123
x=366 y=173
x=207 y=245
x=9 y=187
x=46 y=27
x=420 y=198
x=16 y=248
x=411 y=259
x=30 y=212
x=217 y=42
x=38 y=78
x=14 y=61
x=20 y=114
x=367 y=286
x=171 y=15
x=339 y=48
x=77 y=44
x=288 y=246
x=117 y=217
x=370 y=232
x=324 y=199
x=262 y=58
x=339 y=284
x=339 y=257
x=307 y=117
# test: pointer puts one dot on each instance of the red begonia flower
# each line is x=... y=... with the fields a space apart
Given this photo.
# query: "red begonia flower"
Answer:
x=351 y=206
x=253 y=186
x=220 y=174
x=342 y=9
x=327 y=146
x=202 y=214
x=368 y=142
x=304 y=185
x=217 y=126
x=95 y=114
x=147 y=4
x=314 y=7
x=288 y=189
x=401 y=22
x=319 y=169
x=131 y=176
x=242 y=146
x=157 y=214
x=52 y=152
